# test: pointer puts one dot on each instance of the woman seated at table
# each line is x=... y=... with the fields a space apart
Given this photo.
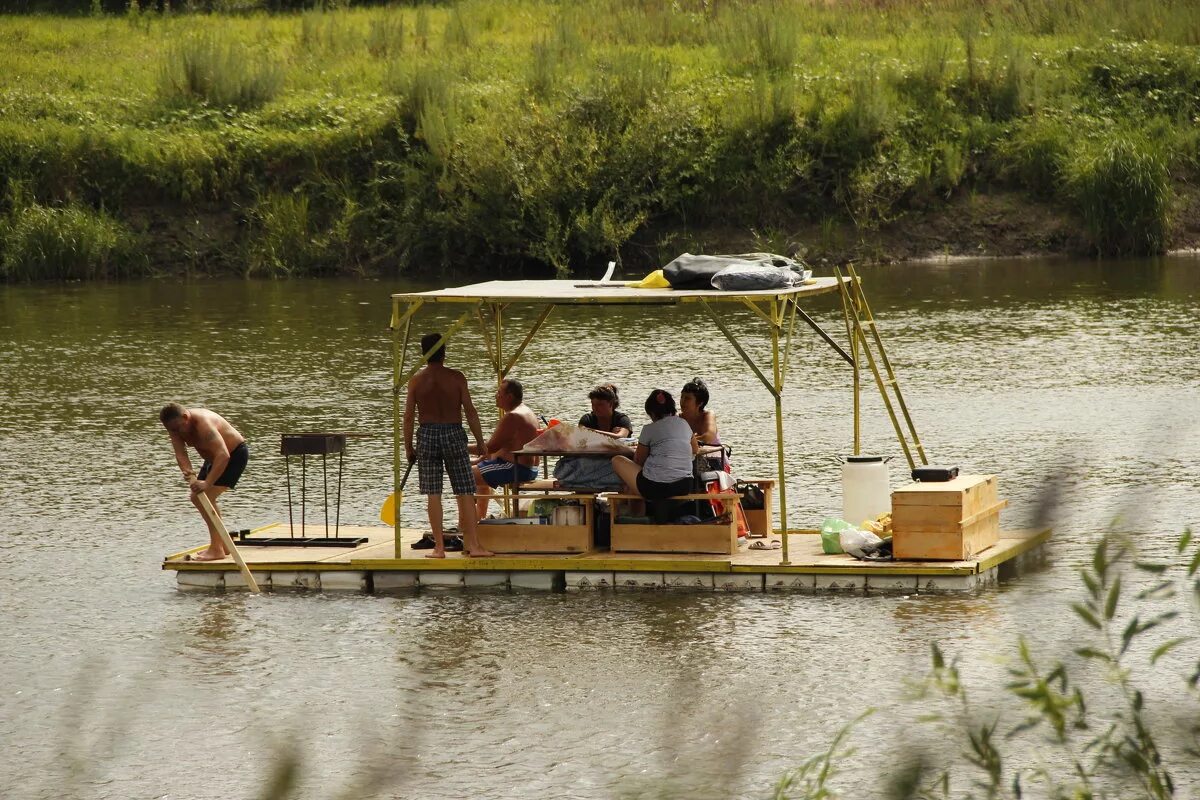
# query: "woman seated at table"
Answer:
x=661 y=466
x=604 y=417
x=595 y=472
x=693 y=403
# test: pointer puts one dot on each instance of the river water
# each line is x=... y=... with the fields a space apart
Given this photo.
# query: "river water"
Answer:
x=115 y=684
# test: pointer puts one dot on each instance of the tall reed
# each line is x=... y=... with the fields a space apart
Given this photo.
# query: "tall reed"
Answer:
x=206 y=69
x=69 y=243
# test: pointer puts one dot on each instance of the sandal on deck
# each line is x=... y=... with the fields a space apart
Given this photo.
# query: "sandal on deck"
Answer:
x=774 y=544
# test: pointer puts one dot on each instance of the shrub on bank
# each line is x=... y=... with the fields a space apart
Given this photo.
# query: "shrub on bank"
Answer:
x=204 y=69
x=1122 y=189
x=71 y=243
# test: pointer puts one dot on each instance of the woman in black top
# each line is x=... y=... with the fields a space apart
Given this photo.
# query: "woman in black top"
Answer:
x=604 y=417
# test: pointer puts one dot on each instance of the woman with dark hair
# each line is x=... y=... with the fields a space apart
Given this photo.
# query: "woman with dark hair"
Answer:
x=661 y=466
x=595 y=472
x=693 y=403
x=604 y=417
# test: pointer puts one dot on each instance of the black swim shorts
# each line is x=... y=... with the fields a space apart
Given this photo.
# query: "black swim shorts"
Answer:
x=233 y=470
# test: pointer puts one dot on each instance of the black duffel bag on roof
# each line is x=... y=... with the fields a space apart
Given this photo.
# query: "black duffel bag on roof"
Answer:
x=696 y=272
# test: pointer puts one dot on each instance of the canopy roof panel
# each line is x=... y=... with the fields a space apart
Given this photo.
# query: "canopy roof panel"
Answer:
x=572 y=292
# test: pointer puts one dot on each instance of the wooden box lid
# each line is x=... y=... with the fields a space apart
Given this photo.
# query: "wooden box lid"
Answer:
x=963 y=491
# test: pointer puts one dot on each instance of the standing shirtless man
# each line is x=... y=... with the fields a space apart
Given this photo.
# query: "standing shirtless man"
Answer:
x=225 y=455
x=438 y=396
x=499 y=465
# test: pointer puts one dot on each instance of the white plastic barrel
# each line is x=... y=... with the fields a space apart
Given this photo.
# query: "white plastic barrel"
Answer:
x=866 y=491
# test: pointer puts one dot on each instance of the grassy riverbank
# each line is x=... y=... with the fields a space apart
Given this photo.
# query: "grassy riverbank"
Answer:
x=537 y=137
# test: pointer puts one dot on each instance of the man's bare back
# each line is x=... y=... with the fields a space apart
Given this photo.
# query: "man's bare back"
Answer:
x=439 y=394
x=205 y=428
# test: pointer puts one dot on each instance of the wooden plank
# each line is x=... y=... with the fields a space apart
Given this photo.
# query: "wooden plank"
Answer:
x=675 y=538
x=536 y=538
x=948 y=545
x=214 y=520
x=1013 y=544
x=577 y=292
x=971 y=493
x=939 y=518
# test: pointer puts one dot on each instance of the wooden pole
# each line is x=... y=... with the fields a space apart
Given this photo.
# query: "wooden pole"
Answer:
x=213 y=518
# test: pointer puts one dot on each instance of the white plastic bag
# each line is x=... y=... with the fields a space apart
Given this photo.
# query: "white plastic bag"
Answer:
x=854 y=540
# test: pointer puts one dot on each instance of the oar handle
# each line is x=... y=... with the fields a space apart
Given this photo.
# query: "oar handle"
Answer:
x=213 y=518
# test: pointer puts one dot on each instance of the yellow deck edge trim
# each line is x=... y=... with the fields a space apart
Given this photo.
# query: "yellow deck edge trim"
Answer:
x=1027 y=544
x=665 y=299
x=183 y=553
x=808 y=569
x=273 y=566
x=539 y=565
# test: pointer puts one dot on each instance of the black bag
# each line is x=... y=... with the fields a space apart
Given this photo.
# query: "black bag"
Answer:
x=696 y=271
x=602 y=532
x=934 y=474
x=693 y=272
x=753 y=497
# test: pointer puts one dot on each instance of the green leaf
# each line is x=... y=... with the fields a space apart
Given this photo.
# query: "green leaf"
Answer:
x=1131 y=630
x=1086 y=614
x=1167 y=647
x=1195 y=565
x=1149 y=566
x=1162 y=590
x=1184 y=540
x=938 y=661
x=1031 y=722
x=1099 y=559
x=1093 y=587
x=1091 y=652
x=1114 y=595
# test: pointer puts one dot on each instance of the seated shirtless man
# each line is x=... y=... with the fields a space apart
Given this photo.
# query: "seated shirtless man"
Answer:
x=225 y=455
x=438 y=396
x=498 y=465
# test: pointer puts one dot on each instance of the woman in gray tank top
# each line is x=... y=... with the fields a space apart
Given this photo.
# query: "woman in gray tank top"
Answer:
x=661 y=466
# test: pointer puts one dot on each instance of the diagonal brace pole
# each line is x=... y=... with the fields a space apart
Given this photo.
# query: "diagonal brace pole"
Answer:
x=733 y=341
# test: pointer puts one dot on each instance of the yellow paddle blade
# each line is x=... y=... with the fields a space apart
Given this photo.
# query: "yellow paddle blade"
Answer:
x=388 y=512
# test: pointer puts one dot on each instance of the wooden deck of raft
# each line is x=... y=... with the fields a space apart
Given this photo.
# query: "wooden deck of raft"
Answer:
x=373 y=567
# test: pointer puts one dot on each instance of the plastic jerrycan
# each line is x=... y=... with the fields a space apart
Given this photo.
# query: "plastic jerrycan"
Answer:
x=866 y=490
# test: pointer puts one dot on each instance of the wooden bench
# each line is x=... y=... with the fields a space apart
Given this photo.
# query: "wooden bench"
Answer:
x=711 y=537
x=527 y=539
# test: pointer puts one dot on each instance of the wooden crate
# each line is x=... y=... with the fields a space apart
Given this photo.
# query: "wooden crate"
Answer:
x=719 y=538
x=760 y=519
x=542 y=538
x=946 y=521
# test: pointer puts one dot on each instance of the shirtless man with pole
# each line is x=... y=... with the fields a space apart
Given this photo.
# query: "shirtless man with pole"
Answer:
x=437 y=397
x=225 y=455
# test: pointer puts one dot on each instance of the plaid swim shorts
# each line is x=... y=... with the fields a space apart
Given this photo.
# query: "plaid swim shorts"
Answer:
x=444 y=445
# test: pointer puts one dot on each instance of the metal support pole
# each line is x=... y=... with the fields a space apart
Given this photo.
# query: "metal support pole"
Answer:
x=337 y=519
x=287 y=469
x=303 y=492
x=852 y=335
x=399 y=355
x=778 y=375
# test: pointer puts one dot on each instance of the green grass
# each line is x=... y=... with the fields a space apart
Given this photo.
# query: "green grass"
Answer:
x=70 y=243
x=533 y=137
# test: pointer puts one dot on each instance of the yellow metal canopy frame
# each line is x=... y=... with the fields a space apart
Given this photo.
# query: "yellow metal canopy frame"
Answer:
x=484 y=304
